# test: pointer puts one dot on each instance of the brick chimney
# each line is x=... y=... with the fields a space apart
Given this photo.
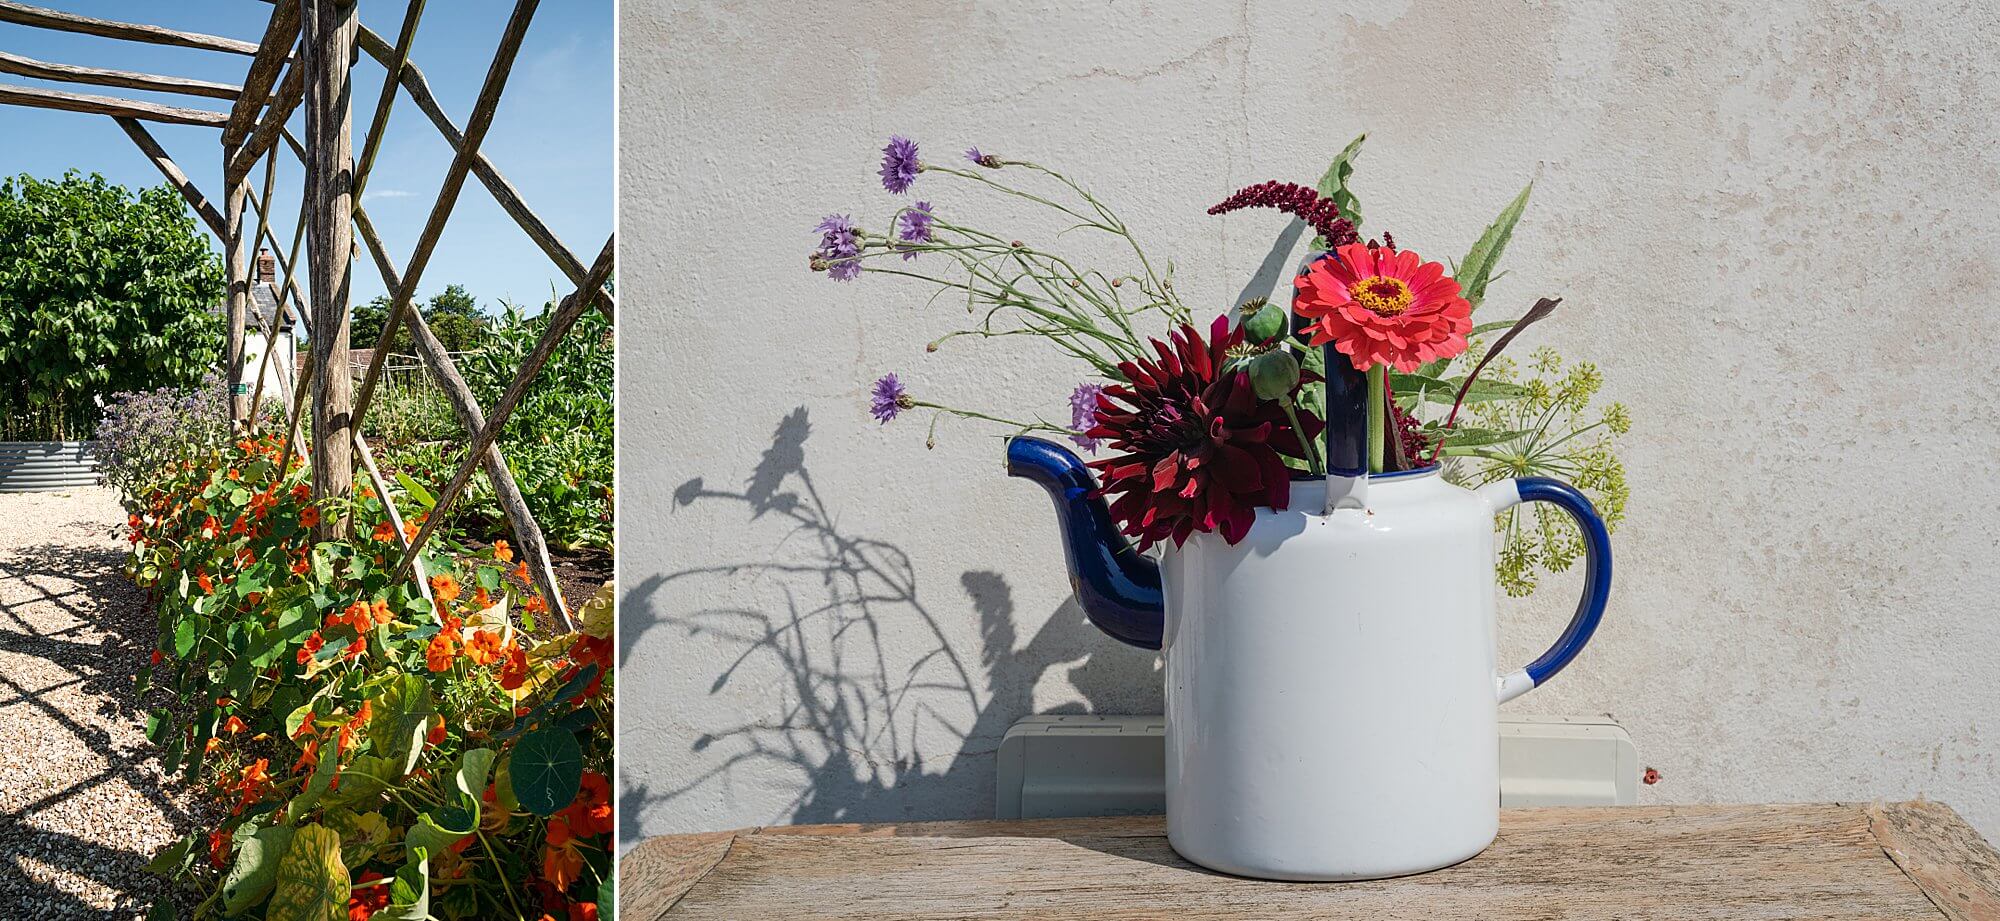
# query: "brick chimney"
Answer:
x=267 y=267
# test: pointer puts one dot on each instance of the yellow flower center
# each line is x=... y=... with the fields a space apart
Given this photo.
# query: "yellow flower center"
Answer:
x=1381 y=294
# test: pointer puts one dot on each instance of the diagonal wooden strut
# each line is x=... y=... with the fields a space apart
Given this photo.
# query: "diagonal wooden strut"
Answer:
x=563 y=318
x=280 y=33
x=506 y=492
x=203 y=208
x=447 y=199
x=503 y=192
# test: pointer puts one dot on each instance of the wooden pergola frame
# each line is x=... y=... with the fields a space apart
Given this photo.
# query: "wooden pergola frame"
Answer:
x=304 y=60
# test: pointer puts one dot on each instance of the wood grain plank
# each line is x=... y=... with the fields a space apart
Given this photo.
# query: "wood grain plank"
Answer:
x=123 y=79
x=657 y=873
x=1763 y=862
x=1955 y=867
x=39 y=98
x=25 y=15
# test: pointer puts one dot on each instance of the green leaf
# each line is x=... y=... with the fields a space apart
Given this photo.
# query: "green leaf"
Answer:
x=546 y=771
x=440 y=828
x=163 y=910
x=312 y=883
x=1333 y=185
x=169 y=862
x=410 y=891
x=473 y=766
x=255 y=871
x=157 y=724
x=400 y=715
x=1477 y=269
x=416 y=490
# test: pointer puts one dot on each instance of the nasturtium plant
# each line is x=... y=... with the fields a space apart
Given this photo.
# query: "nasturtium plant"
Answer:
x=356 y=729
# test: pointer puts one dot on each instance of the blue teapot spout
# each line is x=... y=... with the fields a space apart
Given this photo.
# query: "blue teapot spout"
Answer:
x=1119 y=587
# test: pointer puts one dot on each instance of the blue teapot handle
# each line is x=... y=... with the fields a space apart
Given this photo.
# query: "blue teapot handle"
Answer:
x=1596 y=575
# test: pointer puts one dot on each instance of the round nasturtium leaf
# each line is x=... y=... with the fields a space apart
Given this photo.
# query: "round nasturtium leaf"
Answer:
x=546 y=770
x=312 y=882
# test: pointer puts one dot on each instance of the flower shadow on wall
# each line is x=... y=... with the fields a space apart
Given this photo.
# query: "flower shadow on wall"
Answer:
x=869 y=674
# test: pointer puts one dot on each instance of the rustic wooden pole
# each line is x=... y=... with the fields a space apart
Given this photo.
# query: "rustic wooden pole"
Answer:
x=447 y=198
x=123 y=79
x=503 y=192
x=564 y=317
x=327 y=30
x=395 y=517
x=281 y=32
x=38 y=98
x=378 y=125
x=203 y=208
x=299 y=393
x=290 y=285
x=290 y=94
x=527 y=532
x=235 y=273
x=261 y=206
x=25 y=15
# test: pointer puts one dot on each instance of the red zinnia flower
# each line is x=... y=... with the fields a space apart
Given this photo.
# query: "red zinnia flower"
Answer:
x=1200 y=451
x=1384 y=307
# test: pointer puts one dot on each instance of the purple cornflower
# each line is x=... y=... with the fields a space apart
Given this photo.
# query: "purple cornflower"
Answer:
x=1083 y=414
x=899 y=164
x=914 y=226
x=839 y=252
x=888 y=398
x=982 y=159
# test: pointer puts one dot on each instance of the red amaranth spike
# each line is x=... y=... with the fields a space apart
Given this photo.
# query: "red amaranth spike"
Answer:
x=1304 y=203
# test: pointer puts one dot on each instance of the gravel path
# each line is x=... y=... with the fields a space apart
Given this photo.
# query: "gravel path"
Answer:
x=83 y=805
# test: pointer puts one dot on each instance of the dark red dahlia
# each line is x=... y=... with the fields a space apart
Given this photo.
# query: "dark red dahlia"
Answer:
x=1197 y=450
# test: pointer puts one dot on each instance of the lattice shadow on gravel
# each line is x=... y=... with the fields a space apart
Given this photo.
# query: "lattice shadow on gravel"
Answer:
x=109 y=640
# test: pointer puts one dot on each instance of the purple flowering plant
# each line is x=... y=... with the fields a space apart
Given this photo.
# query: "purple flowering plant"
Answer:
x=1011 y=286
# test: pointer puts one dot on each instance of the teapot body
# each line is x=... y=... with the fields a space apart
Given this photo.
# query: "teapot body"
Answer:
x=1331 y=696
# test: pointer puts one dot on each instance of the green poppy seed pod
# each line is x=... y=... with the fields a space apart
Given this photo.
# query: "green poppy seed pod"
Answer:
x=1266 y=324
x=1273 y=374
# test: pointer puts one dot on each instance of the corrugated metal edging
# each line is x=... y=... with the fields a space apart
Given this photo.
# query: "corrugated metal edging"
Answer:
x=35 y=466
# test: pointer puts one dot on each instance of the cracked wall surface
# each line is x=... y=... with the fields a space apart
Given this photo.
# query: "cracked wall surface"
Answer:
x=1774 y=226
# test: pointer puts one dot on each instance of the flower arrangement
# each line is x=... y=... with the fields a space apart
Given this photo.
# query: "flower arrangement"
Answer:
x=1201 y=428
x=374 y=753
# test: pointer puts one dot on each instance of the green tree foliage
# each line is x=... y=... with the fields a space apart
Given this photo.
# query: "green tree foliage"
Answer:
x=102 y=290
x=453 y=315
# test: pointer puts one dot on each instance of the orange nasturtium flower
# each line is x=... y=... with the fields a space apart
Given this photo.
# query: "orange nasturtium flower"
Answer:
x=380 y=610
x=484 y=647
x=384 y=532
x=207 y=584
x=438 y=654
x=309 y=516
x=502 y=552
x=514 y=672
x=311 y=647
x=521 y=571
x=233 y=725
x=445 y=586
x=355 y=616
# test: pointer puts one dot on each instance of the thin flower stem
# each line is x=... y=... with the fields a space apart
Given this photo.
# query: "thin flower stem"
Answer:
x=1378 y=382
x=1314 y=465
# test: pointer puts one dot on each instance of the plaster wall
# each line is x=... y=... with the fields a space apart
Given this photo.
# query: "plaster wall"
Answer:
x=1774 y=226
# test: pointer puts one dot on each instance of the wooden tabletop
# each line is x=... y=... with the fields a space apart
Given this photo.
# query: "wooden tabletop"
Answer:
x=1885 y=861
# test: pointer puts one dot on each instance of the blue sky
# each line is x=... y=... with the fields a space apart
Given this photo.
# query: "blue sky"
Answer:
x=552 y=136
